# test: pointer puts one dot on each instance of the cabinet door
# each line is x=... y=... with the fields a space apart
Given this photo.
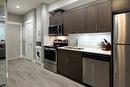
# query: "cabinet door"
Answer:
x=105 y=17
x=68 y=23
x=60 y=19
x=62 y=62
x=56 y=19
x=75 y=66
x=92 y=19
x=120 y=4
x=101 y=73
x=52 y=20
x=88 y=71
x=80 y=20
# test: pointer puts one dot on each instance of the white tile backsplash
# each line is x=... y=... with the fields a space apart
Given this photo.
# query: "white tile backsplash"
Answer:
x=48 y=40
x=89 y=40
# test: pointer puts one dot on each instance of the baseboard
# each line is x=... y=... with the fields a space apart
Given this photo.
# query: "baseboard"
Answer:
x=29 y=59
x=32 y=61
x=14 y=58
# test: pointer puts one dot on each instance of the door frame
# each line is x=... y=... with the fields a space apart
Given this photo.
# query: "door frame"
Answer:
x=21 y=37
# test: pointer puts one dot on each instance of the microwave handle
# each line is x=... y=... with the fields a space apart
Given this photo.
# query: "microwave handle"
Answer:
x=58 y=30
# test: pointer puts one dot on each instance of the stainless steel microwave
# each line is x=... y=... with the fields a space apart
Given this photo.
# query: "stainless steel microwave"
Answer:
x=56 y=29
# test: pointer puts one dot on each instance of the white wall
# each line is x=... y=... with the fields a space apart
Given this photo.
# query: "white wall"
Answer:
x=38 y=23
x=89 y=40
x=15 y=18
x=45 y=25
x=45 y=19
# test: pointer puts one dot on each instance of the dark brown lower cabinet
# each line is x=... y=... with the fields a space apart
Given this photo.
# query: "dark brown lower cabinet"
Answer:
x=70 y=64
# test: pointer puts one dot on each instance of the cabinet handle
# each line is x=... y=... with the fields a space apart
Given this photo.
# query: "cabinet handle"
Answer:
x=96 y=27
x=99 y=26
x=66 y=59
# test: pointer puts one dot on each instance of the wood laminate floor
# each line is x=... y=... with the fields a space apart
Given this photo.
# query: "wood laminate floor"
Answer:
x=2 y=71
x=23 y=73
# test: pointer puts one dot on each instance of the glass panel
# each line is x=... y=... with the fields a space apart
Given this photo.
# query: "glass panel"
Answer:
x=2 y=43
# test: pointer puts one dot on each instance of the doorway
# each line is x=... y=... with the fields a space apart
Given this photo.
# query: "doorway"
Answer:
x=29 y=50
x=14 y=40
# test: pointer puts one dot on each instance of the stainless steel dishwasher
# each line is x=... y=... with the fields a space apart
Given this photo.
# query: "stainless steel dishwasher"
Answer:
x=96 y=70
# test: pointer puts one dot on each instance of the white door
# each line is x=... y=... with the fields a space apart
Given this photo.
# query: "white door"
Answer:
x=13 y=41
x=29 y=40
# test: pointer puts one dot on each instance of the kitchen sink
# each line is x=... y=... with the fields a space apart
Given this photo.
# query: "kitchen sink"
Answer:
x=72 y=47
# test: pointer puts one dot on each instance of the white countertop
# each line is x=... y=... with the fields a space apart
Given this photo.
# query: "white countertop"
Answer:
x=90 y=50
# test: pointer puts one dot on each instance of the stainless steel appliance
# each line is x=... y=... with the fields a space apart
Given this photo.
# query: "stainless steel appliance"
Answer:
x=50 y=58
x=56 y=29
x=121 y=50
x=96 y=70
x=38 y=55
x=50 y=54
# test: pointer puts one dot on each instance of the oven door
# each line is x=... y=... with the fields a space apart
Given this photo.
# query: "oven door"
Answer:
x=50 y=55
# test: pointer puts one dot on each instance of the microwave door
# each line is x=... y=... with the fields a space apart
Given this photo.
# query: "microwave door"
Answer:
x=53 y=30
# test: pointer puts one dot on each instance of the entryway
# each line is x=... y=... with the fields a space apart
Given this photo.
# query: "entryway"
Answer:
x=14 y=40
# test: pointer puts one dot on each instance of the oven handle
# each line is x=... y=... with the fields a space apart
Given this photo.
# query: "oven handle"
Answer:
x=51 y=49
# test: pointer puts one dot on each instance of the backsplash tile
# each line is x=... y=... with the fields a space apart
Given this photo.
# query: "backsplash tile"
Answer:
x=89 y=40
x=48 y=40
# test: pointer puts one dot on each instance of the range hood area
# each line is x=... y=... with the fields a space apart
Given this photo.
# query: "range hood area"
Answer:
x=68 y=4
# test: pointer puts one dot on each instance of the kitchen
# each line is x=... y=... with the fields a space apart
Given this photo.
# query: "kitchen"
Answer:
x=78 y=43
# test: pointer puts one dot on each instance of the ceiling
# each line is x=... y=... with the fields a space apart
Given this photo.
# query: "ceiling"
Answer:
x=25 y=5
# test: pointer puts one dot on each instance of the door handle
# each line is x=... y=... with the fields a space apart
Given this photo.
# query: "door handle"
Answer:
x=30 y=44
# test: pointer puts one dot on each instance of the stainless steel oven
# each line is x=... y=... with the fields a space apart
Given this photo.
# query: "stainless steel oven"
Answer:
x=50 y=59
x=50 y=55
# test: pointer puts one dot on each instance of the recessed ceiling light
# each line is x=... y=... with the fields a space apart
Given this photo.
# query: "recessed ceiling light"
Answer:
x=17 y=6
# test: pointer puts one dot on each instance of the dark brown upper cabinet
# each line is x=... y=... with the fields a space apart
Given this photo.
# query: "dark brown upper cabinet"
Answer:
x=96 y=18
x=70 y=64
x=80 y=20
x=120 y=5
x=92 y=19
x=105 y=17
x=68 y=23
x=56 y=19
x=75 y=21
x=99 y=18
